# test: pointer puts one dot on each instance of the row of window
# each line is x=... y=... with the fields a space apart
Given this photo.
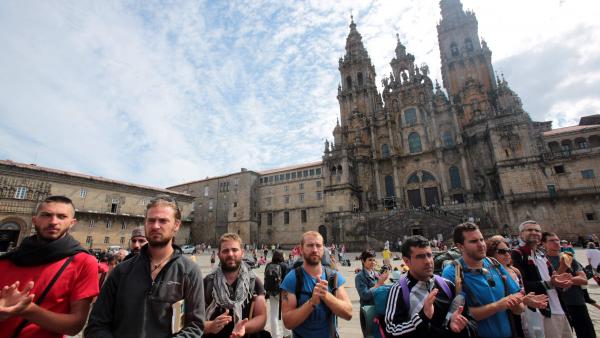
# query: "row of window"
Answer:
x=291 y=176
x=287 y=198
x=454 y=47
x=286 y=217
x=586 y=174
x=90 y=240
x=579 y=143
x=414 y=143
x=108 y=224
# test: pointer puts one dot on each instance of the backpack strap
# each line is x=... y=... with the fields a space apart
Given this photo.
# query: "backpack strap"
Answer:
x=441 y=282
x=299 y=283
x=405 y=291
x=458 y=277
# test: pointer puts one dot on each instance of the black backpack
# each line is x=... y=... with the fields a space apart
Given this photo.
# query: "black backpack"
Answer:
x=273 y=276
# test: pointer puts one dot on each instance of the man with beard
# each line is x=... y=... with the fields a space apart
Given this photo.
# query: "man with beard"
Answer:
x=312 y=294
x=427 y=306
x=60 y=305
x=137 y=241
x=235 y=297
x=489 y=291
x=145 y=295
x=540 y=277
x=573 y=297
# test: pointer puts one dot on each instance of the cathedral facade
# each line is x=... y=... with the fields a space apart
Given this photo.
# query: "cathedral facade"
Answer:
x=419 y=157
x=414 y=157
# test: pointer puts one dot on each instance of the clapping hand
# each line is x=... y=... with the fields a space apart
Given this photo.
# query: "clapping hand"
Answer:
x=13 y=301
x=457 y=321
x=428 y=308
x=536 y=301
x=239 y=330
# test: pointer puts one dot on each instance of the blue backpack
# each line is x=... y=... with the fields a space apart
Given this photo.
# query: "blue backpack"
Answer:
x=370 y=315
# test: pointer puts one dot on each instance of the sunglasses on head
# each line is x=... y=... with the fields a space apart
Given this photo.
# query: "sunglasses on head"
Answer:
x=503 y=251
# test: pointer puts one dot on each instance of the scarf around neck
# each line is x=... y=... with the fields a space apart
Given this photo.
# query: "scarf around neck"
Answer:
x=34 y=251
x=221 y=297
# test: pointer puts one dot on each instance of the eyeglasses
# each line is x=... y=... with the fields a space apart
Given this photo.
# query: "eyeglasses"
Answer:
x=503 y=251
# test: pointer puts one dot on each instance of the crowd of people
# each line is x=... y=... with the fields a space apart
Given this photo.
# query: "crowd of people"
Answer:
x=495 y=287
x=491 y=288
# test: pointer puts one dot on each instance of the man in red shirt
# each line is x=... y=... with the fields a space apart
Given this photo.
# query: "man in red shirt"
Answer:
x=50 y=254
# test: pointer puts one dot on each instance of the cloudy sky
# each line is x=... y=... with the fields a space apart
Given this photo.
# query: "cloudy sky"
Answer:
x=164 y=92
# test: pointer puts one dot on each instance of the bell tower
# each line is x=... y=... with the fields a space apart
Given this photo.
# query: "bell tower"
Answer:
x=357 y=93
x=465 y=60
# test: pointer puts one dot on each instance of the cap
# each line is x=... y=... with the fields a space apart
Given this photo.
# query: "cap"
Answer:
x=138 y=232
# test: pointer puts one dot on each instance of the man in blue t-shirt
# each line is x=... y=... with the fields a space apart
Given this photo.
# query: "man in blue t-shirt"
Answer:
x=490 y=297
x=312 y=315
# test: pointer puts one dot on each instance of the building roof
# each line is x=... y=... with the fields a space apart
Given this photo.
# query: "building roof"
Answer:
x=263 y=172
x=570 y=129
x=37 y=168
x=292 y=167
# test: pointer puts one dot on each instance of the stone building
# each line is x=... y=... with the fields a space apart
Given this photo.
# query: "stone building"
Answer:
x=273 y=206
x=106 y=210
x=418 y=157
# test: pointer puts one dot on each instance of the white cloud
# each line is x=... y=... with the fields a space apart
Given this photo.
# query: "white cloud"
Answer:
x=162 y=94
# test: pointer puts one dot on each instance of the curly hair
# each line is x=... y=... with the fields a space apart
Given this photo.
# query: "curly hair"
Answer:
x=492 y=245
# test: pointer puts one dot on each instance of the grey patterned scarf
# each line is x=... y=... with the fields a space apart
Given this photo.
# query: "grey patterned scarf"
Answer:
x=221 y=297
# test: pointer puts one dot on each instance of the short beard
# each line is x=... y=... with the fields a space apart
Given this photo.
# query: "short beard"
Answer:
x=227 y=268
x=310 y=262
x=159 y=244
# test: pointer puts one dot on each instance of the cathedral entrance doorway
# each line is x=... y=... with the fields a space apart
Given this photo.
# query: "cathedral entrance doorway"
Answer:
x=417 y=231
x=422 y=186
x=9 y=235
x=323 y=232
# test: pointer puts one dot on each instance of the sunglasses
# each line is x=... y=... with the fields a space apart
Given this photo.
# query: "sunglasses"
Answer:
x=503 y=251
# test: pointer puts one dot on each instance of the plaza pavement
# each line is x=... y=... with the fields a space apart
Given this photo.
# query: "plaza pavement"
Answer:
x=351 y=329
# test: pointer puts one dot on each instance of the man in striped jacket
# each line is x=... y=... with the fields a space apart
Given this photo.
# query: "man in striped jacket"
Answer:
x=421 y=304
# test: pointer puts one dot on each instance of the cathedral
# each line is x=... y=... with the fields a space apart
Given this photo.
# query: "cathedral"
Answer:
x=419 y=157
x=416 y=157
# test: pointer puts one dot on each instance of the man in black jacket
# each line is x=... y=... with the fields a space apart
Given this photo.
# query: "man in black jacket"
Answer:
x=146 y=294
x=539 y=277
x=428 y=311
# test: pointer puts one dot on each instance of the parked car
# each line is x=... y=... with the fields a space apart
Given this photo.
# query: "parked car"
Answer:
x=113 y=248
x=189 y=249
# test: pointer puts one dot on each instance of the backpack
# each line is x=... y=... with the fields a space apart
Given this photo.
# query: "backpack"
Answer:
x=332 y=279
x=273 y=278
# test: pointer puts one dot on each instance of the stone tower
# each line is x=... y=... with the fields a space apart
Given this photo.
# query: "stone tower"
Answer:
x=466 y=62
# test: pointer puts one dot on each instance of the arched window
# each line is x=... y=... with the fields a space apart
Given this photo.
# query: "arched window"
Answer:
x=447 y=139
x=468 y=45
x=348 y=82
x=581 y=143
x=385 y=151
x=410 y=116
x=360 y=79
x=554 y=146
x=566 y=145
x=454 y=49
x=414 y=178
x=426 y=176
x=454 y=178
x=414 y=143
x=594 y=141
x=389 y=187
